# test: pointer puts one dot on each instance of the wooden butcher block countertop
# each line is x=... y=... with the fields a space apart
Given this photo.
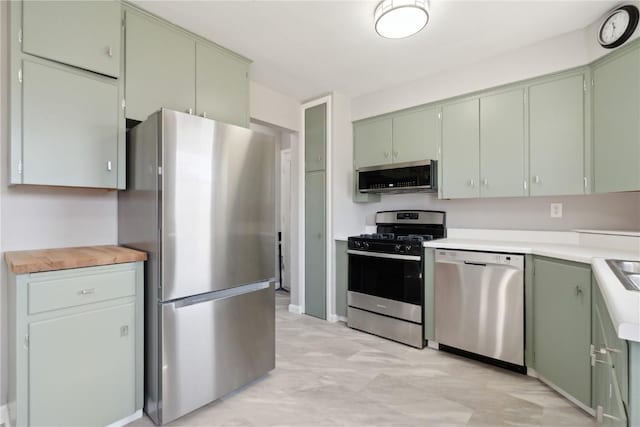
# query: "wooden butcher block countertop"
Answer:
x=23 y=262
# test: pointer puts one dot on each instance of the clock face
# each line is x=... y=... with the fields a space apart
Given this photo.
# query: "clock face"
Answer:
x=618 y=26
x=614 y=27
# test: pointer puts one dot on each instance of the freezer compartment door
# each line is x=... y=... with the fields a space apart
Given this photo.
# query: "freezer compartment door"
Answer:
x=218 y=206
x=214 y=343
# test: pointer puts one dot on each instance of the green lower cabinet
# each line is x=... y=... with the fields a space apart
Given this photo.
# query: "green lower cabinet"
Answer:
x=562 y=325
x=342 y=277
x=76 y=364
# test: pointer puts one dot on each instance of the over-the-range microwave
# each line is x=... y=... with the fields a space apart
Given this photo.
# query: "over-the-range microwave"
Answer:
x=410 y=177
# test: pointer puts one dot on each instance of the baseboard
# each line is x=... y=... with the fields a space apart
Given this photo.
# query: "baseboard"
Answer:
x=342 y=319
x=434 y=345
x=295 y=309
x=126 y=420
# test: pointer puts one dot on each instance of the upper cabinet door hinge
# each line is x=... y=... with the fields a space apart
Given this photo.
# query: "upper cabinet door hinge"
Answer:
x=20 y=35
x=20 y=75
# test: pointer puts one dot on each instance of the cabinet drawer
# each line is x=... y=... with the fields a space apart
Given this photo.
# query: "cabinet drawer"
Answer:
x=53 y=294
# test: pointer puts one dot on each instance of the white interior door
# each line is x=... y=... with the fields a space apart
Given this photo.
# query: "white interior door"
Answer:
x=285 y=216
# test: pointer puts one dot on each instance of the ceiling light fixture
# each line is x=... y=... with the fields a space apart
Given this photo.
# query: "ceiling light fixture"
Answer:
x=397 y=19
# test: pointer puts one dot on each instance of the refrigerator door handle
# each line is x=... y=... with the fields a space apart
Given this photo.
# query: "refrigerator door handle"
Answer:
x=217 y=295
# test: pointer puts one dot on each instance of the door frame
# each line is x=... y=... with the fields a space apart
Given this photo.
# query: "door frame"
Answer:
x=329 y=283
x=284 y=154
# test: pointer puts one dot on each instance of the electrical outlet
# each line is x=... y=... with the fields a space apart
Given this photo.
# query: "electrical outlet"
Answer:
x=556 y=210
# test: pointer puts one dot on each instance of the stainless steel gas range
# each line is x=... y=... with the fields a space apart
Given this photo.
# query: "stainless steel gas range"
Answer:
x=386 y=285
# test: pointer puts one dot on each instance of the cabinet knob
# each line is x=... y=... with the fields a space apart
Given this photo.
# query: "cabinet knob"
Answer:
x=578 y=291
x=386 y=155
x=319 y=158
x=395 y=154
x=109 y=166
x=190 y=111
x=319 y=235
x=87 y=291
x=536 y=179
x=485 y=182
x=472 y=183
x=204 y=114
x=110 y=51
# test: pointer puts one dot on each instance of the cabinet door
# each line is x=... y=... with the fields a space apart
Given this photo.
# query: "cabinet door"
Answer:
x=556 y=137
x=85 y=34
x=502 y=144
x=416 y=136
x=222 y=86
x=160 y=67
x=342 y=271
x=372 y=143
x=315 y=247
x=70 y=127
x=460 y=149
x=82 y=368
x=315 y=137
x=616 y=128
x=562 y=325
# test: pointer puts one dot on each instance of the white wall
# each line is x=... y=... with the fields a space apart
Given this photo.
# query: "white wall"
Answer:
x=270 y=106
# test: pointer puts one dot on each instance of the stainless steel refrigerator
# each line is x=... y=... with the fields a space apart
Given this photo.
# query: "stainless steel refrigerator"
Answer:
x=200 y=201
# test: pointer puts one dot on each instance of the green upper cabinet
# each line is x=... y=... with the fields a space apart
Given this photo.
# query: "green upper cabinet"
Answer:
x=372 y=142
x=85 y=34
x=222 y=86
x=82 y=153
x=562 y=325
x=616 y=121
x=416 y=135
x=502 y=155
x=556 y=136
x=315 y=137
x=159 y=67
x=460 y=149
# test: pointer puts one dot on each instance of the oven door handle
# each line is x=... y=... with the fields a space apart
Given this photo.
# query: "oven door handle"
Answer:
x=384 y=255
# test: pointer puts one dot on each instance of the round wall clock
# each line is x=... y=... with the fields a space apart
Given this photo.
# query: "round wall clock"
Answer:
x=618 y=26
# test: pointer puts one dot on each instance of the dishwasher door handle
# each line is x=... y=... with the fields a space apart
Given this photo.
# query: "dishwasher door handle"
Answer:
x=480 y=264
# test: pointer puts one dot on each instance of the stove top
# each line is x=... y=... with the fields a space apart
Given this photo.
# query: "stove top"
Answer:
x=401 y=232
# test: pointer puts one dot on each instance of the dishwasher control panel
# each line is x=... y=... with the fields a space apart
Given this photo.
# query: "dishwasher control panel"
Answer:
x=480 y=258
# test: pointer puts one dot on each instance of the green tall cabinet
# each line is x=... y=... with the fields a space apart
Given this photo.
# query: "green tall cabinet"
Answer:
x=461 y=149
x=562 y=325
x=315 y=143
x=556 y=135
x=616 y=123
x=76 y=339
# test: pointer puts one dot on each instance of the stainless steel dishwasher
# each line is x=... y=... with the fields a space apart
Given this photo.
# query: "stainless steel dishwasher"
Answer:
x=479 y=305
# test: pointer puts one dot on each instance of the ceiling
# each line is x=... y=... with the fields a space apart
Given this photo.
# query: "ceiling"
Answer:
x=308 y=48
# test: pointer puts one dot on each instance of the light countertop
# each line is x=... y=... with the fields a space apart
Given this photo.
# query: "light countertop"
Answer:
x=623 y=304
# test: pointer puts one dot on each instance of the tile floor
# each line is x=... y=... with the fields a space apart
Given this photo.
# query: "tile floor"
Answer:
x=329 y=375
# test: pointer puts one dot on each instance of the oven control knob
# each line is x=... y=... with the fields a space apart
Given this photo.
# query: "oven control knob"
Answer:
x=407 y=248
x=366 y=245
x=398 y=248
x=357 y=244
